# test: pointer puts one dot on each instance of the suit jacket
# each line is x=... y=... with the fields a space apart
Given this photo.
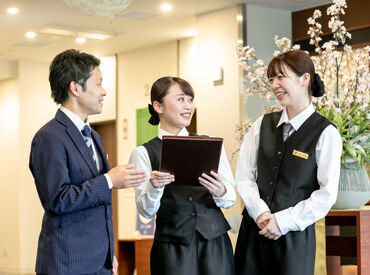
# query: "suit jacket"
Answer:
x=77 y=233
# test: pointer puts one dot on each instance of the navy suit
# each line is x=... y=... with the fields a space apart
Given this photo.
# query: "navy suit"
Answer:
x=77 y=233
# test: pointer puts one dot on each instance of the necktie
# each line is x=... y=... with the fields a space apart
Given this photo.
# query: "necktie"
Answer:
x=288 y=130
x=86 y=132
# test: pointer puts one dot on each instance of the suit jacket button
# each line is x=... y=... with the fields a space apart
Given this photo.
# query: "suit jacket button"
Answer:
x=190 y=198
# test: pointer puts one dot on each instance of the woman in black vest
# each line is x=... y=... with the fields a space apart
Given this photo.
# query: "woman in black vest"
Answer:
x=191 y=231
x=287 y=174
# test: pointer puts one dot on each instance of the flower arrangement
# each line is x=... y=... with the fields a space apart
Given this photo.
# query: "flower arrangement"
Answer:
x=344 y=72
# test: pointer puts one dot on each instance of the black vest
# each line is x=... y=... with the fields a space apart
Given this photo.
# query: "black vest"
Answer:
x=185 y=209
x=285 y=179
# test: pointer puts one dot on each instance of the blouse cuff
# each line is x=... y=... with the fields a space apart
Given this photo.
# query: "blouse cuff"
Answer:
x=258 y=208
x=154 y=192
x=226 y=201
x=285 y=221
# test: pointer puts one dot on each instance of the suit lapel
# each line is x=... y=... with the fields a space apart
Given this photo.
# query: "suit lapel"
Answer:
x=78 y=140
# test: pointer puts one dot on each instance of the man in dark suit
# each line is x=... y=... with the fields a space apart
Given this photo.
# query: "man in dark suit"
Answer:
x=72 y=175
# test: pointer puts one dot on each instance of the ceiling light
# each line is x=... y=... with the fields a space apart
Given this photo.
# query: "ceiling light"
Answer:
x=30 y=34
x=80 y=40
x=166 y=7
x=193 y=32
x=239 y=18
x=13 y=10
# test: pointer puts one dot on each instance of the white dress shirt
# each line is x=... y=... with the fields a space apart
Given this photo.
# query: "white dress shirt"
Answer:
x=79 y=123
x=148 y=197
x=306 y=212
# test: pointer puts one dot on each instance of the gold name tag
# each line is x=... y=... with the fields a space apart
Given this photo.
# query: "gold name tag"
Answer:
x=300 y=154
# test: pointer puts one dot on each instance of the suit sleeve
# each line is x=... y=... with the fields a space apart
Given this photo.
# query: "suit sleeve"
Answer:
x=51 y=171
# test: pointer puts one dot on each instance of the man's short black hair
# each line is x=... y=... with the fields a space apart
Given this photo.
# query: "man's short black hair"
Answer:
x=70 y=65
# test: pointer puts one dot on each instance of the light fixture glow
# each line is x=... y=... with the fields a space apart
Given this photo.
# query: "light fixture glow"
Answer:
x=192 y=32
x=80 y=40
x=239 y=18
x=13 y=10
x=30 y=34
x=166 y=7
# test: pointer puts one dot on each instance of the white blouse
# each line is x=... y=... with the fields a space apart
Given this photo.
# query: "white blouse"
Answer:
x=148 y=197
x=306 y=212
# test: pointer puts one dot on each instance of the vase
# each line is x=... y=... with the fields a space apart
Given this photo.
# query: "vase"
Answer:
x=354 y=186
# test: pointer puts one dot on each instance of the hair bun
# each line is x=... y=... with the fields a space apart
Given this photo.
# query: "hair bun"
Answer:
x=318 y=87
x=154 y=118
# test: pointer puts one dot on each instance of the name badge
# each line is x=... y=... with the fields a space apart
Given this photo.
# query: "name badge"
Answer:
x=300 y=154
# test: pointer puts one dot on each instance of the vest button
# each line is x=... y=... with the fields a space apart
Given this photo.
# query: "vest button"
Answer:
x=275 y=167
x=268 y=197
x=271 y=182
x=190 y=199
x=193 y=214
x=279 y=152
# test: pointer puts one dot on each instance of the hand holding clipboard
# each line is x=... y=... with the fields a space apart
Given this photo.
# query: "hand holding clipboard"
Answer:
x=191 y=157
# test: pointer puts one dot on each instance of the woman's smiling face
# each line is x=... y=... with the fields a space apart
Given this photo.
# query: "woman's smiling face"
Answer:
x=288 y=88
x=177 y=109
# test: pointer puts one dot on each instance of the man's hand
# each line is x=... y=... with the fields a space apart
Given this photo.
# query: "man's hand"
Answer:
x=160 y=179
x=123 y=176
x=214 y=184
x=271 y=230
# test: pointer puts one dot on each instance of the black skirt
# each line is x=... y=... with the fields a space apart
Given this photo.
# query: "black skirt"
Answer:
x=200 y=257
x=291 y=254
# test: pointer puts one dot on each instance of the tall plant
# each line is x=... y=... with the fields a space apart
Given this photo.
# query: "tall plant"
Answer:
x=344 y=72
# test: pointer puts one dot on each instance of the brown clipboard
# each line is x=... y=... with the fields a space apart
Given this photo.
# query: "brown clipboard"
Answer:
x=187 y=157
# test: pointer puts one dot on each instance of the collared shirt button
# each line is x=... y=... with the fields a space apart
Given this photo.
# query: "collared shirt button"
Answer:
x=190 y=198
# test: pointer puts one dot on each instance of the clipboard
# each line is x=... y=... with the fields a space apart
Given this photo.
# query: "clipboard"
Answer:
x=187 y=157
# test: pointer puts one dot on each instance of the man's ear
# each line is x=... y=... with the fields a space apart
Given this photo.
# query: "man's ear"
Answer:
x=306 y=79
x=158 y=107
x=74 y=88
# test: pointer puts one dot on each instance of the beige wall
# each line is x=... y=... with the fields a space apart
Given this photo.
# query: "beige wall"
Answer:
x=26 y=106
x=108 y=69
x=9 y=170
x=8 y=69
x=36 y=108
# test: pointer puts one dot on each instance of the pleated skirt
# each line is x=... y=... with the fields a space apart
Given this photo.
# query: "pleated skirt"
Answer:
x=200 y=257
x=291 y=254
